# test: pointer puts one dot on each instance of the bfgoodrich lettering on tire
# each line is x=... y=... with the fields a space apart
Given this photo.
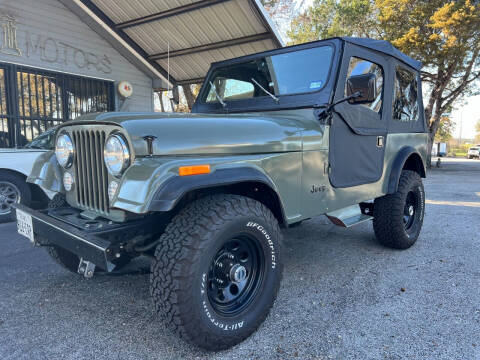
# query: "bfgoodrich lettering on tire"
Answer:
x=217 y=270
x=398 y=217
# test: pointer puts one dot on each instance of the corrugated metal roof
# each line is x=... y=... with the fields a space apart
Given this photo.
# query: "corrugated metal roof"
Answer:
x=192 y=33
x=195 y=66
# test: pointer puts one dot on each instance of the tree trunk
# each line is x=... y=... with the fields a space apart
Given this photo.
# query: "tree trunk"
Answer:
x=160 y=98
x=187 y=90
x=429 y=150
x=434 y=124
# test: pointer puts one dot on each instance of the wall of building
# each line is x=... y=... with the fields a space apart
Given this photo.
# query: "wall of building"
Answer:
x=49 y=36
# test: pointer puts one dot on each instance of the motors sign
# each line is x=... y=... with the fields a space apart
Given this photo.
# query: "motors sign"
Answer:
x=55 y=51
x=48 y=49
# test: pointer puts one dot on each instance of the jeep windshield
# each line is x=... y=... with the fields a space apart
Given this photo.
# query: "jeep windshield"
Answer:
x=289 y=73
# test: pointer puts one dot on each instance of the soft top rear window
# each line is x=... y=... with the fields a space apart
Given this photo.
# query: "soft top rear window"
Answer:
x=290 y=73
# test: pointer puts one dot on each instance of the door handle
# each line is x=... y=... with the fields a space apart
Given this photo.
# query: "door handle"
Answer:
x=380 y=141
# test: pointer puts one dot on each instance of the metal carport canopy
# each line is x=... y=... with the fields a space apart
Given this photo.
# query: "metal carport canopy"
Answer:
x=179 y=39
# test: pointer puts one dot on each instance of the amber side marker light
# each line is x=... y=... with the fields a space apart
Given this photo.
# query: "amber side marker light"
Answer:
x=193 y=170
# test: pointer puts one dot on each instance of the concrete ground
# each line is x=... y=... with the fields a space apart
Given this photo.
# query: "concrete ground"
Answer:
x=343 y=295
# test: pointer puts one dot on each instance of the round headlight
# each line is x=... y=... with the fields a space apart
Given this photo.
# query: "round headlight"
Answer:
x=64 y=150
x=116 y=154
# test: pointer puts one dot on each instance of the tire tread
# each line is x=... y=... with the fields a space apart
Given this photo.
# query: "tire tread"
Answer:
x=387 y=225
x=181 y=245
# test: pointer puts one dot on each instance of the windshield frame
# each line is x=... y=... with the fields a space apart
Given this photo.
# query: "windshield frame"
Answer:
x=266 y=103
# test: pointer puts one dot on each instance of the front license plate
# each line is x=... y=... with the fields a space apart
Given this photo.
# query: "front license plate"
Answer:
x=24 y=225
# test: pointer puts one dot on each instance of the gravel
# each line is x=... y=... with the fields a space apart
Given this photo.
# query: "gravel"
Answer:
x=343 y=295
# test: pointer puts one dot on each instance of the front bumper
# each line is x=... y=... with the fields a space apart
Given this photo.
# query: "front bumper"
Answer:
x=88 y=243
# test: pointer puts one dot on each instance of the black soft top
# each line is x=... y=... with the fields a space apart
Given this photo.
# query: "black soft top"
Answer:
x=386 y=48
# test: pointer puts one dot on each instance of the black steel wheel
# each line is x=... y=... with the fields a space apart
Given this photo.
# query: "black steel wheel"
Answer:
x=13 y=190
x=409 y=211
x=235 y=275
x=217 y=270
x=398 y=217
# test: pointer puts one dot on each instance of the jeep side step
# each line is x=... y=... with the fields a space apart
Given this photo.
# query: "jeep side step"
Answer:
x=349 y=216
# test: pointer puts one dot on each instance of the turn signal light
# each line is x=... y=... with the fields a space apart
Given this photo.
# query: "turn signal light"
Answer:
x=193 y=170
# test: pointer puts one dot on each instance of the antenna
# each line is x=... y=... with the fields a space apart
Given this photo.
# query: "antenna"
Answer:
x=168 y=65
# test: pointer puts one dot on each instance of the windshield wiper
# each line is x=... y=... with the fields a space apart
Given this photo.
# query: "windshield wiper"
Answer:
x=219 y=98
x=277 y=100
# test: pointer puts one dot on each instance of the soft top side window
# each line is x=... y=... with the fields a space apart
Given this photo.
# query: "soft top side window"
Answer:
x=405 y=103
x=359 y=66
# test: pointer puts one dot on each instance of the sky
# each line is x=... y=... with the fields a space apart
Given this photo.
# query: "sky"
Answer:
x=467 y=115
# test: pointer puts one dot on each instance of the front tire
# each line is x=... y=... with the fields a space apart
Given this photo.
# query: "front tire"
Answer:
x=13 y=190
x=217 y=270
x=398 y=217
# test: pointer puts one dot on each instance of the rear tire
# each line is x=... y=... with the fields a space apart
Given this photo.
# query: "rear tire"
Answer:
x=398 y=217
x=13 y=190
x=194 y=280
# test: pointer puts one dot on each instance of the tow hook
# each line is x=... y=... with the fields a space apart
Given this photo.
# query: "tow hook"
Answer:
x=86 y=268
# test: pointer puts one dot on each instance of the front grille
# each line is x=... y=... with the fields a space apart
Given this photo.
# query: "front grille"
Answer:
x=91 y=172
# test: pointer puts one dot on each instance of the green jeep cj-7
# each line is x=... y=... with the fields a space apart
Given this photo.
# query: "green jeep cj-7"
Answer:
x=333 y=127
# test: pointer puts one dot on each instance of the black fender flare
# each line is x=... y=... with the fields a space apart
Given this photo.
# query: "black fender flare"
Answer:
x=173 y=189
x=398 y=165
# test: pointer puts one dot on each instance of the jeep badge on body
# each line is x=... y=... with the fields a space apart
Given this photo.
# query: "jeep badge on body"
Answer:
x=333 y=127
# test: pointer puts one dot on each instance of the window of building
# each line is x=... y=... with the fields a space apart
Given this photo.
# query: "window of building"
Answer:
x=405 y=104
x=4 y=136
x=32 y=101
x=359 y=66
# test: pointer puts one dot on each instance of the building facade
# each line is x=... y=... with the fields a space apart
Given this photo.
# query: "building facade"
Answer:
x=54 y=68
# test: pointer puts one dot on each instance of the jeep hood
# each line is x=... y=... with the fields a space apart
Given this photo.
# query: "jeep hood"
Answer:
x=204 y=134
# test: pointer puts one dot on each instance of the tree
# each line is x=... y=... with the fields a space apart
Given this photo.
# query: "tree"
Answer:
x=187 y=91
x=329 y=18
x=477 y=130
x=191 y=92
x=445 y=129
x=281 y=8
x=443 y=34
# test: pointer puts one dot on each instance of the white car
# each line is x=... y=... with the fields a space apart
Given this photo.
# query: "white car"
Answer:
x=15 y=166
x=474 y=152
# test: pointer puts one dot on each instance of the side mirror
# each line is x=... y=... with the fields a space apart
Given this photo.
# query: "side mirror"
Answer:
x=365 y=84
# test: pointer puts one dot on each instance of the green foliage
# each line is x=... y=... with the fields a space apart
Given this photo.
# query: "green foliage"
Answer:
x=445 y=129
x=460 y=150
x=329 y=18
x=477 y=130
x=267 y=3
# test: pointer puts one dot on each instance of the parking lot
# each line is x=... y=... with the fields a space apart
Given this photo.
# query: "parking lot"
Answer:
x=343 y=295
